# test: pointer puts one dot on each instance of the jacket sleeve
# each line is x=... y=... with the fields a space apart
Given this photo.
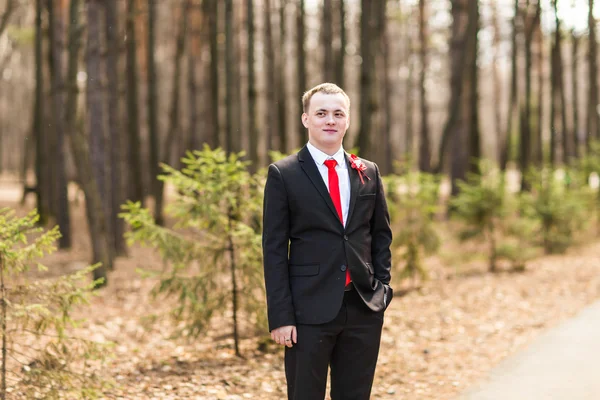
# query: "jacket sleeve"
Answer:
x=381 y=235
x=275 y=240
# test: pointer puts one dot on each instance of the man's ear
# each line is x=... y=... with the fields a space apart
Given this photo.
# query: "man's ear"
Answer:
x=305 y=120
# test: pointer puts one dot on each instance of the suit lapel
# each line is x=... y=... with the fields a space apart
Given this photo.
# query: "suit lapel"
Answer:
x=310 y=168
x=354 y=185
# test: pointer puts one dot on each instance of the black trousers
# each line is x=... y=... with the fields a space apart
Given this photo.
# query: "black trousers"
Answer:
x=349 y=345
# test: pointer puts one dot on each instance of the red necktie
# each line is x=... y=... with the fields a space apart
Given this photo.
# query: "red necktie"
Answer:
x=334 y=192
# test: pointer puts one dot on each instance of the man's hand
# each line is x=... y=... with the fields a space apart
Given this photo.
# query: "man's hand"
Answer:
x=285 y=335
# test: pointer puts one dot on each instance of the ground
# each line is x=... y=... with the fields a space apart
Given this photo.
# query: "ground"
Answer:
x=437 y=339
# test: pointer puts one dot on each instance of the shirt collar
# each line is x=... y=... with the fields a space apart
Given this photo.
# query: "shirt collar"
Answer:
x=320 y=157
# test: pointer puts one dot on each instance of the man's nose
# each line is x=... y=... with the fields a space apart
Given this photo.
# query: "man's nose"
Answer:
x=330 y=120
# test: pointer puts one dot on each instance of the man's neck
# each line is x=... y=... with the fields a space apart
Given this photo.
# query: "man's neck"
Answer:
x=330 y=151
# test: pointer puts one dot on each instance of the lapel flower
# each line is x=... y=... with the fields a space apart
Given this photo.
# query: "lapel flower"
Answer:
x=359 y=166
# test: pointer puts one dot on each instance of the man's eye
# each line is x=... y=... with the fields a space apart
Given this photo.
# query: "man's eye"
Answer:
x=320 y=114
x=339 y=115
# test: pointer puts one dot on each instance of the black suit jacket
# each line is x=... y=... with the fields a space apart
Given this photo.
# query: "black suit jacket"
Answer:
x=307 y=250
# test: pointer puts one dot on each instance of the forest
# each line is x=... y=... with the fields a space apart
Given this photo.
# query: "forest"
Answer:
x=134 y=140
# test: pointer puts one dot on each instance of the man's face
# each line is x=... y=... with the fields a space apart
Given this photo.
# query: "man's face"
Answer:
x=327 y=121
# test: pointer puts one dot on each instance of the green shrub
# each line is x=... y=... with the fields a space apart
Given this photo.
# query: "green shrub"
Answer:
x=214 y=248
x=413 y=202
x=39 y=358
x=487 y=211
x=558 y=206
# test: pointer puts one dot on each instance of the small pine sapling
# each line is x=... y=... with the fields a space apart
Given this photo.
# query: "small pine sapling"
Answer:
x=39 y=358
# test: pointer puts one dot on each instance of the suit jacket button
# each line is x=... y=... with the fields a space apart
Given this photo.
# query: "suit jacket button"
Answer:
x=343 y=268
x=345 y=237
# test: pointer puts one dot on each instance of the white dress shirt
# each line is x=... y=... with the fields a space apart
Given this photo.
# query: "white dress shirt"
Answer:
x=342 y=170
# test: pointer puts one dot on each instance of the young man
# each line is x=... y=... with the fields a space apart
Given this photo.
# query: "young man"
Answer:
x=327 y=259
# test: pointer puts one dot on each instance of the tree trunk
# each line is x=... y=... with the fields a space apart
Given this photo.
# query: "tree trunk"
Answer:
x=61 y=201
x=193 y=142
x=281 y=81
x=270 y=127
x=454 y=126
x=424 y=145
x=80 y=151
x=300 y=66
x=213 y=18
x=96 y=113
x=575 y=92
x=341 y=53
x=538 y=147
x=558 y=83
x=368 y=99
x=115 y=136
x=231 y=83
x=505 y=146
x=174 y=122
x=593 y=122
x=252 y=95
x=525 y=148
x=153 y=134
x=327 y=41
x=198 y=35
x=456 y=130
x=473 y=102
x=386 y=139
x=135 y=184
x=497 y=81
x=38 y=115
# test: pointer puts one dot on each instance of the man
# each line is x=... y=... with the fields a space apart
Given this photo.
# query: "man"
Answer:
x=327 y=259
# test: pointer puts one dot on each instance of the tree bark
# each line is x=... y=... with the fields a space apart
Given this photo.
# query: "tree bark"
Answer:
x=213 y=17
x=497 y=81
x=96 y=113
x=424 y=145
x=559 y=93
x=327 y=41
x=153 y=134
x=593 y=121
x=135 y=184
x=388 y=153
x=525 y=147
x=473 y=105
x=457 y=66
x=300 y=66
x=368 y=98
x=575 y=92
x=231 y=83
x=281 y=89
x=115 y=137
x=341 y=53
x=80 y=151
x=252 y=95
x=38 y=113
x=174 y=112
x=61 y=200
x=505 y=142
x=537 y=147
x=269 y=69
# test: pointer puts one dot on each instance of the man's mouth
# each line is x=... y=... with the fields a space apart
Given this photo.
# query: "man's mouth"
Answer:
x=330 y=130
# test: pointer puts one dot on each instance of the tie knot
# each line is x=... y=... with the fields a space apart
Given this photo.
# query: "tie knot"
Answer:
x=330 y=163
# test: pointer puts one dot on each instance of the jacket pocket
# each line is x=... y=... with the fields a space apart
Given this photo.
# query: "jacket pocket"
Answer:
x=304 y=270
x=370 y=268
x=366 y=195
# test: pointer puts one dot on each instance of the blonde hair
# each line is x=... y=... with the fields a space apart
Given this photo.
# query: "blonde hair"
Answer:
x=326 y=88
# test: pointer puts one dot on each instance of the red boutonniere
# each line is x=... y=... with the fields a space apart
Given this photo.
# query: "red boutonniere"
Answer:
x=359 y=166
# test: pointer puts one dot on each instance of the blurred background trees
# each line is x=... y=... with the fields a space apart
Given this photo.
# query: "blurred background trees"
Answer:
x=98 y=93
